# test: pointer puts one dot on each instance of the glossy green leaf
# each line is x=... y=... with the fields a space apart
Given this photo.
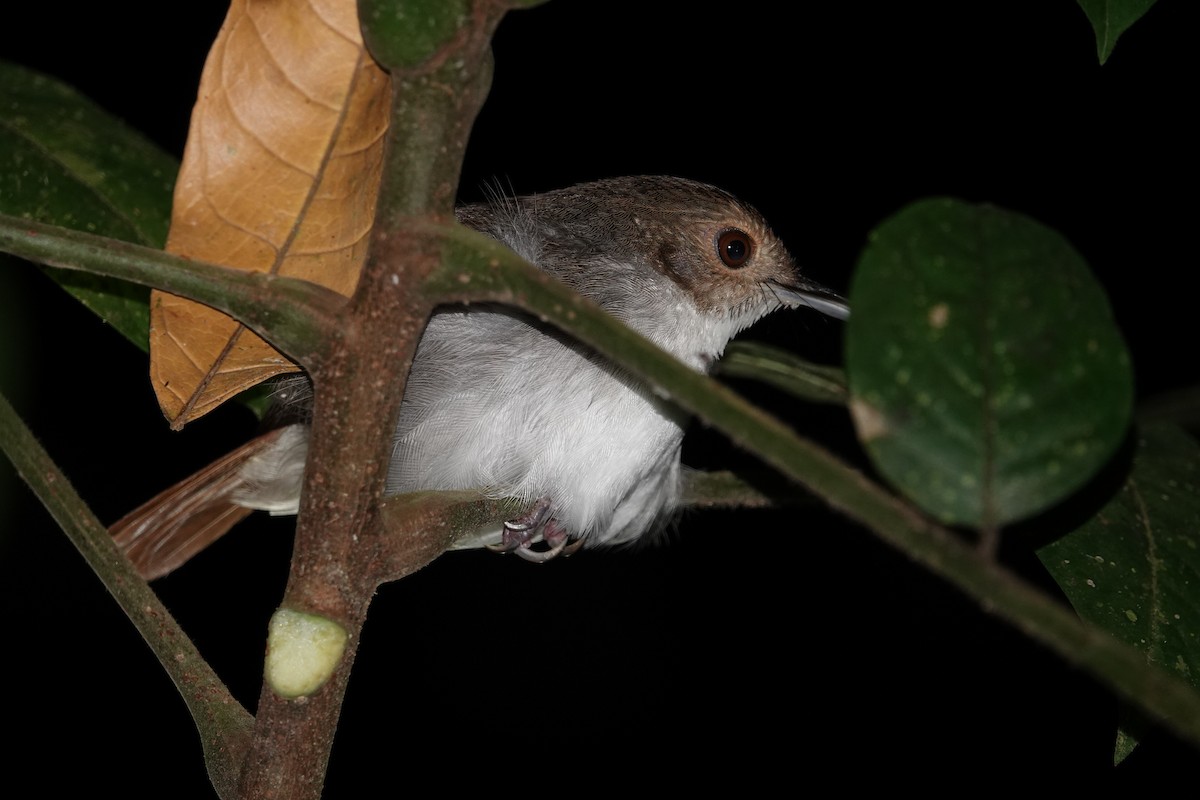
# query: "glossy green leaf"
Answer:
x=783 y=370
x=987 y=377
x=1111 y=18
x=65 y=161
x=1134 y=569
x=405 y=33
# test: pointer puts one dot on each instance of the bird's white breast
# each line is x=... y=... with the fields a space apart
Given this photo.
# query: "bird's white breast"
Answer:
x=517 y=413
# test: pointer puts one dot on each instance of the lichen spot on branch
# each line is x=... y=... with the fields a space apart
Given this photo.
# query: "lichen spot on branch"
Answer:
x=302 y=652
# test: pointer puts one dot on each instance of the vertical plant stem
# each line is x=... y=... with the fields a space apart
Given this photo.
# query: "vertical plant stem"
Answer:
x=359 y=380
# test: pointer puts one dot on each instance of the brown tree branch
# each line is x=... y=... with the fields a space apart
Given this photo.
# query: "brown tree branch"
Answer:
x=334 y=568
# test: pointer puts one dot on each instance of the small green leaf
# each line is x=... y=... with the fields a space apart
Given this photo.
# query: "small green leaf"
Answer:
x=65 y=161
x=784 y=370
x=1134 y=569
x=1111 y=18
x=1132 y=726
x=405 y=33
x=988 y=380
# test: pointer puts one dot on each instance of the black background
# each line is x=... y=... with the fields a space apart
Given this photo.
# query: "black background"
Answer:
x=753 y=649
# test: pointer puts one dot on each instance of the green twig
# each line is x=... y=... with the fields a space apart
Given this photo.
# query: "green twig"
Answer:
x=223 y=724
x=783 y=370
x=725 y=489
x=296 y=316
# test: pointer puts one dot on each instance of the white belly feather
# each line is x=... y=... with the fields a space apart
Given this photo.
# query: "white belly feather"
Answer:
x=558 y=424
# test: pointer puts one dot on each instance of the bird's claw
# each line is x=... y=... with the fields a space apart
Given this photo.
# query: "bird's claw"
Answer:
x=520 y=534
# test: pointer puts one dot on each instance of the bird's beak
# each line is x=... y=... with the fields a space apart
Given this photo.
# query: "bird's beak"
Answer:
x=805 y=293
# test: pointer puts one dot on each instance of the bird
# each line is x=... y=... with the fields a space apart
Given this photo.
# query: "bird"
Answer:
x=499 y=402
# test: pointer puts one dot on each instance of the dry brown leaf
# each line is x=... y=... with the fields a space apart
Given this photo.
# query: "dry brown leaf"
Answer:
x=280 y=175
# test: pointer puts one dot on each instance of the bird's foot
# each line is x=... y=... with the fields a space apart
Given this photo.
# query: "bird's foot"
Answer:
x=522 y=533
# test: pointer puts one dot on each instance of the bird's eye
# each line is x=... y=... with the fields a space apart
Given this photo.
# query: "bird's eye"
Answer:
x=734 y=248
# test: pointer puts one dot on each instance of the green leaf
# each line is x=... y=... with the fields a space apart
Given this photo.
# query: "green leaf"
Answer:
x=405 y=33
x=1134 y=569
x=65 y=161
x=1111 y=18
x=987 y=377
x=402 y=34
x=1132 y=726
x=783 y=370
